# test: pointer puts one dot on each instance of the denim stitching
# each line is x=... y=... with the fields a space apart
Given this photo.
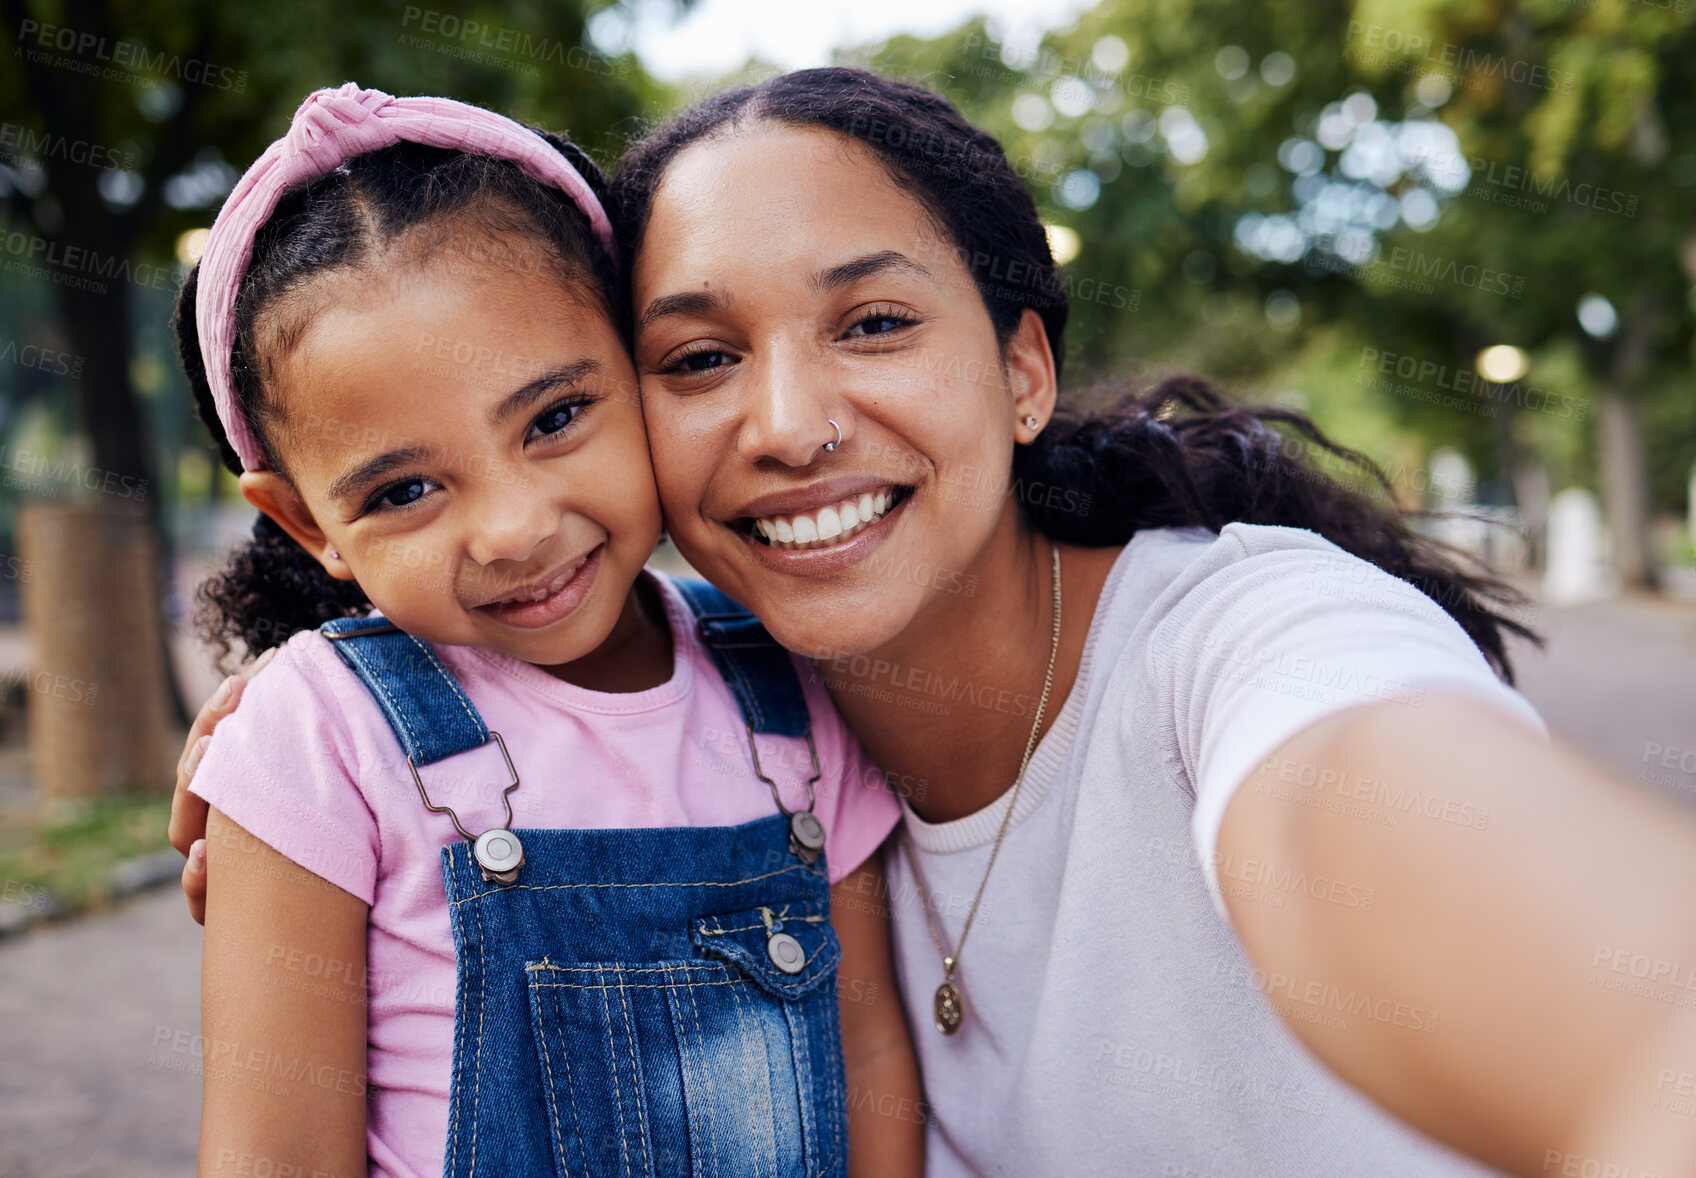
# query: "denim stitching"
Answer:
x=712 y=1104
x=803 y=1057
x=429 y=654
x=705 y=966
x=637 y=985
x=376 y=679
x=553 y=1093
x=482 y=1011
x=618 y=1089
x=630 y=1050
x=571 y=1092
x=702 y=883
x=839 y=1098
x=750 y=1075
x=458 y=1059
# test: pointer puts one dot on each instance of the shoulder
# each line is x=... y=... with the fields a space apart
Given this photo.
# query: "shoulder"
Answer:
x=304 y=706
x=1175 y=578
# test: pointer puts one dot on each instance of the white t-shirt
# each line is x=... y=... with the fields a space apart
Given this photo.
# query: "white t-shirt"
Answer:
x=1114 y=1024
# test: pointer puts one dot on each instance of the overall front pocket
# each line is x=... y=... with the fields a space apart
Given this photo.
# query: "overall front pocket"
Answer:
x=721 y=1066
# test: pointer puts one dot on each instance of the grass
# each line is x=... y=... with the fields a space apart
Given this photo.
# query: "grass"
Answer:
x=70 y=846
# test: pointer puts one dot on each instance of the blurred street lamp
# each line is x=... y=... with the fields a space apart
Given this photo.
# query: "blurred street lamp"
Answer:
x=1503 y=363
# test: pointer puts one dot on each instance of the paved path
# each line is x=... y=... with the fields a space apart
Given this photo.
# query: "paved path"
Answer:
x=90 y=1086
x=95 y=1081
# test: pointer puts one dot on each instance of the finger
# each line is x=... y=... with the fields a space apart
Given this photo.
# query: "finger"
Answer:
x=194 y=881
x=258 y=664
x=188 y=811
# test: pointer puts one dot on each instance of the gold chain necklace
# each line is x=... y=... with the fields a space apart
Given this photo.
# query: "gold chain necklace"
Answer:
x=948 y=1008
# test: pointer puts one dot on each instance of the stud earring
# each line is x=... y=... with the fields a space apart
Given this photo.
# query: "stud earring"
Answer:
x=1031 y=422
x=334 y=555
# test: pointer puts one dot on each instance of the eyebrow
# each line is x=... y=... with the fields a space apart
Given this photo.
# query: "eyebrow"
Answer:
x=706 y=302
x=854 y=270
x=695 y=302
x=350 y=484
x=541 y=386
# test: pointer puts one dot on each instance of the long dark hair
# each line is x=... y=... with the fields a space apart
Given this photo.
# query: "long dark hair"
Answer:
x=1177 y=454
x=272 y=587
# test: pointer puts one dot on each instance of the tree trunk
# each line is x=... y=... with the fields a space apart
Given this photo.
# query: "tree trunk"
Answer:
x=97 y=715
x=1622 y=461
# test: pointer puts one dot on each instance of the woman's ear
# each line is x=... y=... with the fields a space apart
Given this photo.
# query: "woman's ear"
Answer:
x=1030 y=374
x=273 y=494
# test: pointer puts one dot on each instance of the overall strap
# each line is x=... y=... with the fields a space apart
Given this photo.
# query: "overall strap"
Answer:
x=759 y=671
x=430 y=715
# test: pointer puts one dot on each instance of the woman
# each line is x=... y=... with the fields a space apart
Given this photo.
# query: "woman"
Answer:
x=1187 y=793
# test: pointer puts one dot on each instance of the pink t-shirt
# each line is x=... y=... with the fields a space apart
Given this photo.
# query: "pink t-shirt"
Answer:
x=309 y=765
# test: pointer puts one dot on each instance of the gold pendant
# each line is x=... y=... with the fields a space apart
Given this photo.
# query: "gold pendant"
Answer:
x=948 y=1009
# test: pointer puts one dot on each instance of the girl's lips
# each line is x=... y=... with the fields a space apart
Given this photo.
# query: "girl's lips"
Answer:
x=533 y=615
x=818 y=562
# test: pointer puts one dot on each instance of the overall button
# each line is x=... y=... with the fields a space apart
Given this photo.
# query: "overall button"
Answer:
x=499 y=854
x=786 y=953
x=807 y=833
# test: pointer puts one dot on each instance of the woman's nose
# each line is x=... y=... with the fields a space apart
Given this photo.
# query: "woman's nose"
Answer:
x=788 y=410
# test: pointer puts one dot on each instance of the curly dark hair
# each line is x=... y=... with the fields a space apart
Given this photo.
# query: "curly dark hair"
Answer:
x=1178 y=454
x=271 y=587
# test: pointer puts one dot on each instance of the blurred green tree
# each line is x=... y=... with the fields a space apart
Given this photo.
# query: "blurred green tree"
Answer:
x=124 y=124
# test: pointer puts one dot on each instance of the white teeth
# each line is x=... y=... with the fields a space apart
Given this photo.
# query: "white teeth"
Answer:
x=828 y=525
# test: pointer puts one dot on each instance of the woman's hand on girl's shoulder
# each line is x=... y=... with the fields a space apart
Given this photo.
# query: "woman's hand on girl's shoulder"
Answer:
x=187 y=830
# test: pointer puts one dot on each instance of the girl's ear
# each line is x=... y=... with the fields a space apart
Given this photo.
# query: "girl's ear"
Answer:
x=271 y=493
x=1030 y=373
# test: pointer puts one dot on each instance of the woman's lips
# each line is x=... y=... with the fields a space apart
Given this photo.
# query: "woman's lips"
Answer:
x=815 y=560
x=561 y=593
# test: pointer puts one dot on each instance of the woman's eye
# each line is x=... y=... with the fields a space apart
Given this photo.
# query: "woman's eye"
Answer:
x=402 y=494
x=879 y=323
x=703 y=360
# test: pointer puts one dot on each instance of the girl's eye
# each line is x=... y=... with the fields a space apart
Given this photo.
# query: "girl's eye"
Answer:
x=879 y=322
x=558 y=418
x=703 y=358
x=400 y=495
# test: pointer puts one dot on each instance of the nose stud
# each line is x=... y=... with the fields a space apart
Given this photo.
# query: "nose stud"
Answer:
x=830 y=447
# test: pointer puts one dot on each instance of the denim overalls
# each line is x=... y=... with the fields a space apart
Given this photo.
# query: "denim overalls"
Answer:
x=633 y=1002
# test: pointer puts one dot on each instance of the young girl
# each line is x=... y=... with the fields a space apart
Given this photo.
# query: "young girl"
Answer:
x=402 y=327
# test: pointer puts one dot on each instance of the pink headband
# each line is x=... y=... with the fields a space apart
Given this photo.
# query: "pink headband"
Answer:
x=330 y=127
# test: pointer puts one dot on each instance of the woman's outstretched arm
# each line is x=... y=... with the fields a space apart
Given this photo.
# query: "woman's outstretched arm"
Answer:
x=1523 y=987
x=283 y=994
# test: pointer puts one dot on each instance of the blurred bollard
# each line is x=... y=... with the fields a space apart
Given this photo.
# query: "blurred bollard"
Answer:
x=98 y=720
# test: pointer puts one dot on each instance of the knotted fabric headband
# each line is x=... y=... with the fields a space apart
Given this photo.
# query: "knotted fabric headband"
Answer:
x=332 y=126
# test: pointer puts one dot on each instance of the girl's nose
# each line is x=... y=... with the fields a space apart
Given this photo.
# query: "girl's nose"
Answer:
x=515 y=523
